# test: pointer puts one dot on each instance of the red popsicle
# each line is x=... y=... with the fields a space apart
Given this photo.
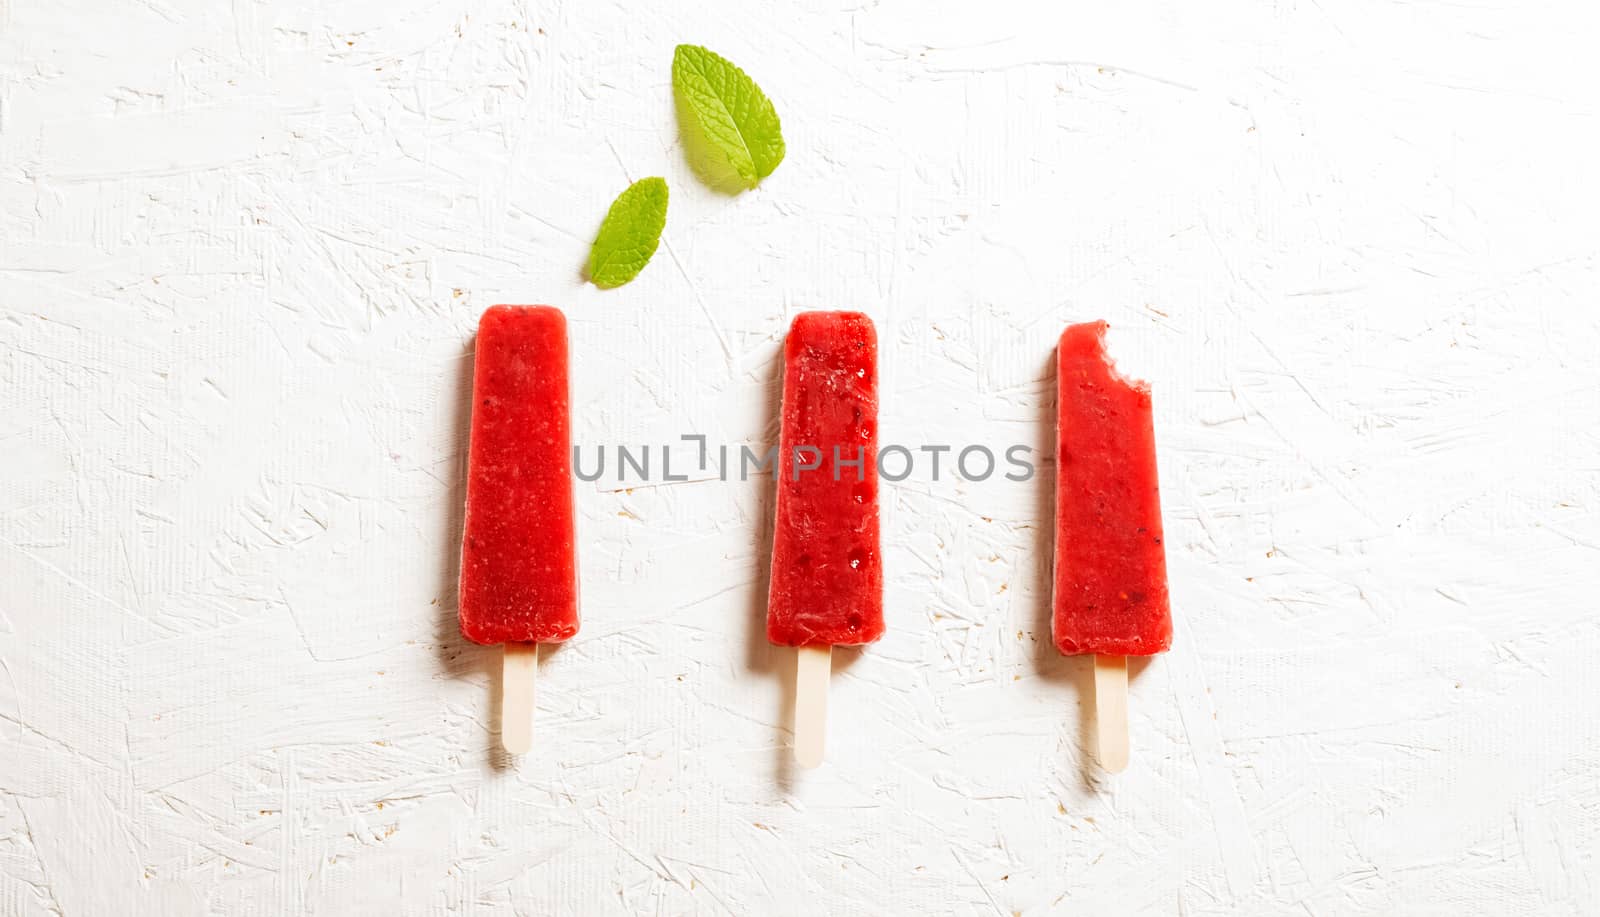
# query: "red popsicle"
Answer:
x=1110 y=565
x=519 y=583
x=827 y=574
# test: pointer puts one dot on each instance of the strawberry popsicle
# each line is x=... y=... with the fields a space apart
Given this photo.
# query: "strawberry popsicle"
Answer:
x=827 y=578
x=1110 y=565
x=827 y=574
x=519 y=583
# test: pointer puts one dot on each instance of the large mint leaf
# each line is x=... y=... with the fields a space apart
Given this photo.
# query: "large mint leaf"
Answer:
x=730 y=110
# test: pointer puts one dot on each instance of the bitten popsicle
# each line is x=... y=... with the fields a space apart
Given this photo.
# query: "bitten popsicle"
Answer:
x=827 y=573
x=1110 y=565
x=519 y=576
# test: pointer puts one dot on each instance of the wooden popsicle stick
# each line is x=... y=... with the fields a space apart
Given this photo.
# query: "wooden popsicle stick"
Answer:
x=812 y=668
x=519 y=669
x=1111 y=710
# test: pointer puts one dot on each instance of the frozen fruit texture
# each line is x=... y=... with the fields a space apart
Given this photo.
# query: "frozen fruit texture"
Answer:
x=1111 y=566
x=827 y=573
x=519 y=578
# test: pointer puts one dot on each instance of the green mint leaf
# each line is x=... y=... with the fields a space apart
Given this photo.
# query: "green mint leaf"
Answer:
x=630 y=233
x=732 y=115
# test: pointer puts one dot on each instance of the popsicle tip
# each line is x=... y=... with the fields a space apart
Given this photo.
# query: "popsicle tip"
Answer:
x=516 y=742
x=808 y=754
x=1114 y=760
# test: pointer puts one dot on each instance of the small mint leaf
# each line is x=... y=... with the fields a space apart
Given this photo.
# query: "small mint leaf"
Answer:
x=732 y=113
x=630 y=233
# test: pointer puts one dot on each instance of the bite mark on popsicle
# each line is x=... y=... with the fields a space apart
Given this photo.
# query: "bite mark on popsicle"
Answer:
x=1110 y=558
x=1110 y=595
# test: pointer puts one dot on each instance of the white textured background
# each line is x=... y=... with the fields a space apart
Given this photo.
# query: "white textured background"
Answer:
x=1353 y=245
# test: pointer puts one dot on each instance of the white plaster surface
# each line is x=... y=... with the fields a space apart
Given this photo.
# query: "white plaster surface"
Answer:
x=1352 y=244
